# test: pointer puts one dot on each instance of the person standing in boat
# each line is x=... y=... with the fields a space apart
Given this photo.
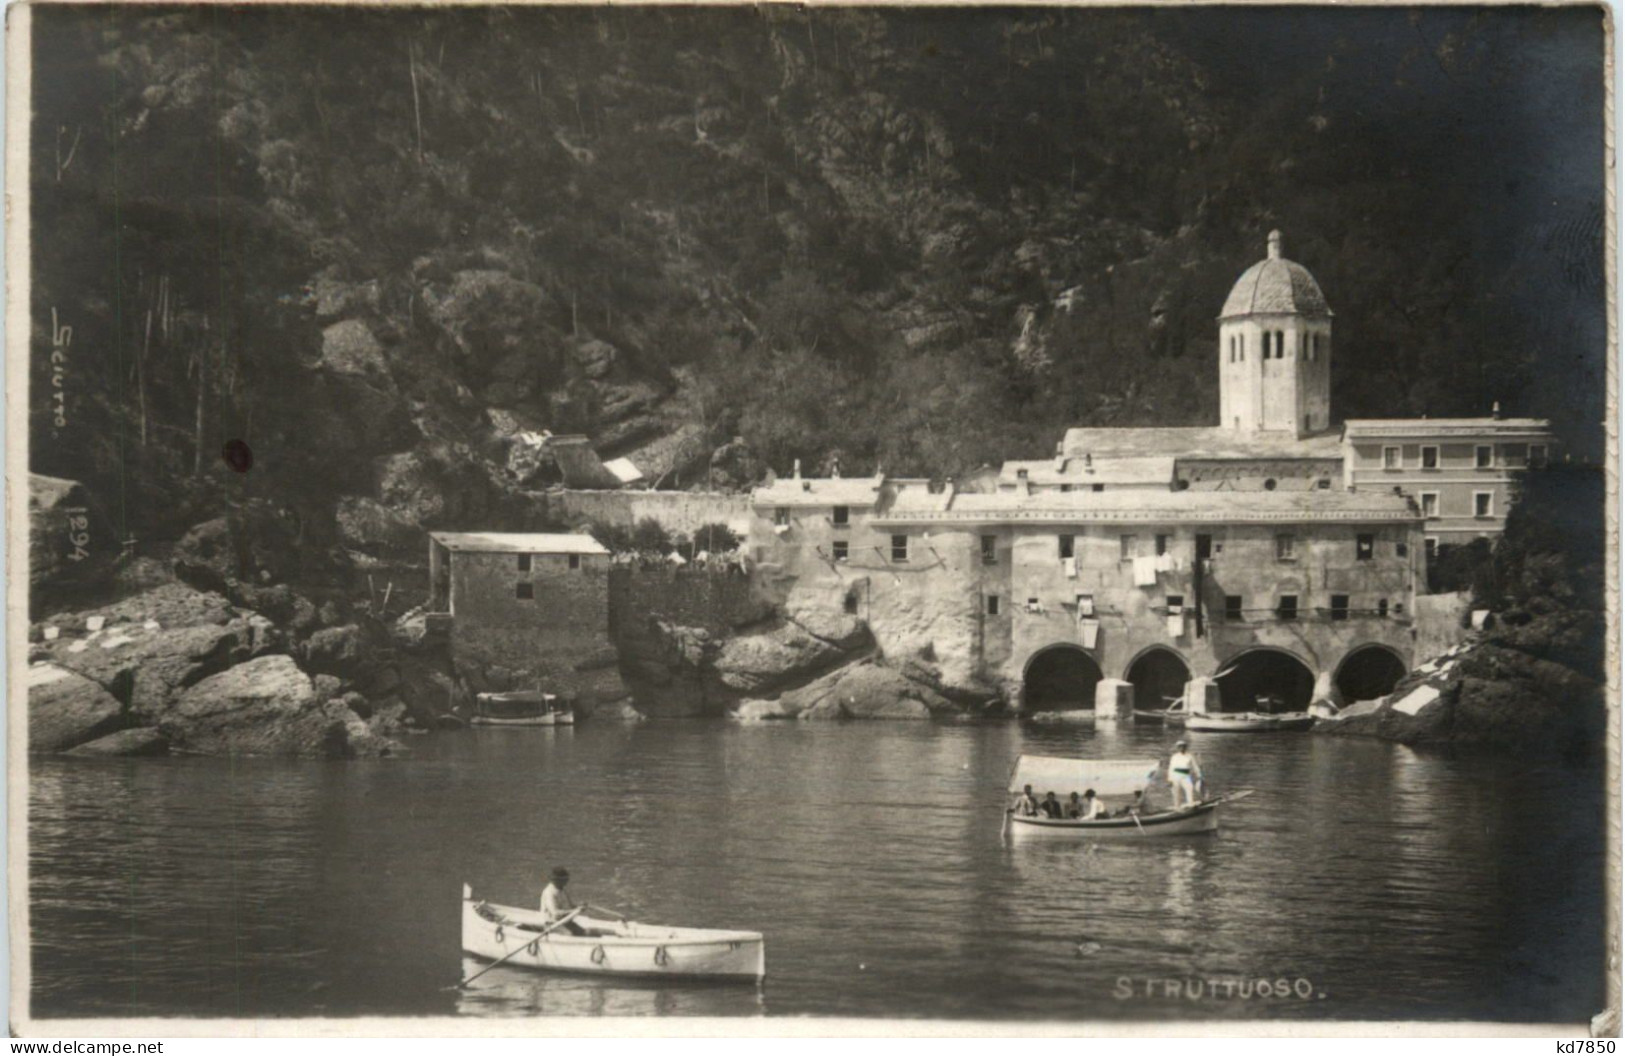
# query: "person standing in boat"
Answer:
x=556 y=904
x=1183 y=774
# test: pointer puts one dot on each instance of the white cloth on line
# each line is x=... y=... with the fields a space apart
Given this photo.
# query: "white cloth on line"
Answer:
x=1089 y=630
x=1176 y=624
x=1070 y=564
x=1145 y=571
x=1165 y=562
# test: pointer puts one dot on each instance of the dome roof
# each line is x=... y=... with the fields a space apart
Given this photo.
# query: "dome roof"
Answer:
x=1276 y=286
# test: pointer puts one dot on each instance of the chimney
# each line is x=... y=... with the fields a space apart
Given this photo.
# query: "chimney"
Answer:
x=797 y=471
x=1275 y=245
x=1495 y=410
x=1088 y=460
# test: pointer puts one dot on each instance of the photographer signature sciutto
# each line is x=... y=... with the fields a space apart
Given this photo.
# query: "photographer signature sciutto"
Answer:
x=1222 y=988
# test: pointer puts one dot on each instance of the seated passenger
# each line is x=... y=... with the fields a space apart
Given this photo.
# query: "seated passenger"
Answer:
x=1027 y=804
x=1074 y=807
x=1136 y=807
x=1092 y=806
x=1051 y=805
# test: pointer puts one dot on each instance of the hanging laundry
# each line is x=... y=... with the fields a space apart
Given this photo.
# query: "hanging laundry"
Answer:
x=1145 y=571
x=1086 y=605
x=1070 y=565
x=1176 y=624
x=1089 y=632
x=1165 y=562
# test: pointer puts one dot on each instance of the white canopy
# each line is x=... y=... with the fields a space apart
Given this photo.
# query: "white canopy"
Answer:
x=1108 y=777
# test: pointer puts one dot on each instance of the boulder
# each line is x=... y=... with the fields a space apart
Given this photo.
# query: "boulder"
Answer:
x=340 y=651
x=66 y=709
x=70 y=540
x=595 y=358
x=790 y=653
x=157 y=643
x=864 y=691
x=368 y=524
x=266 y=706
x=761 y=711
x=143 y=740
x=350 y=348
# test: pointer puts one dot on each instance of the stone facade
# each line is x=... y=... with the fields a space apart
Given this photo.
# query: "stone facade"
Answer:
x=533 y=608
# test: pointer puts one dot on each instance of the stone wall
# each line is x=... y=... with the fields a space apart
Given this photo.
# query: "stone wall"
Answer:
x=553 y=637
x=717 y=601
x=678 y=511
x=1439 y=624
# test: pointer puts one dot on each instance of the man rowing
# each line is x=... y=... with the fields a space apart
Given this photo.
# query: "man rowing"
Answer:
x=556 y=905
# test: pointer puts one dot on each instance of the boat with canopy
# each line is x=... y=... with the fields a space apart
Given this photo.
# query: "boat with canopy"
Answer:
x=1114 y=782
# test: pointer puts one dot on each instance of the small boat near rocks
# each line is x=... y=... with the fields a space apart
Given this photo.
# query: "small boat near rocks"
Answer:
x=521 y=938
x=523 y=708
x=1248 y=722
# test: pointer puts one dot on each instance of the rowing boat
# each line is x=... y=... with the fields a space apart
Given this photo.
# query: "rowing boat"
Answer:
x=611 y=947
x=1248 y=721
x=524 y=708
x=1197 y=818
x=1115 y=782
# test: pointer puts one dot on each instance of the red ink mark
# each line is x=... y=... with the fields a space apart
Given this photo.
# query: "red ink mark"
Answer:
x=238 y=456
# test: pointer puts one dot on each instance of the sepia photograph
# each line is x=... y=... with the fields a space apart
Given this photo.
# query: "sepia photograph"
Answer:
x=1021 y=517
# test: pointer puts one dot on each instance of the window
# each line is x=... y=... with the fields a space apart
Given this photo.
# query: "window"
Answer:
x=1232 y=606
x=781 y=515
x=1483 y=456
x=1032 y=605
x=1365 y=545
x=524 y=562
x=1340 y=606
x=1287 y=608
x=1324 y=484
x=524 y=591
x=851 y=605
x=1483 y=504
x=840 y=549
x=1402 y=550
x=1382 y=607
x=1241 y=349
x=1126 y=545
x=1021 y=474
x=1306 y=423
x=1430 y=456
x=1066 y=545
x=1162 y=545
x=1086 y=605
x=990 y=549
x=1097 y=487
x=1430 y=504
x=1537 y=456
x=1392 y=458
x=899 y=548
x=1280 y=345
x=1065 y=488
x=1286 y=547
x=843 y=516
x=1176 y=604
x=1430 y=546
x=575 y=560
x=992 y=604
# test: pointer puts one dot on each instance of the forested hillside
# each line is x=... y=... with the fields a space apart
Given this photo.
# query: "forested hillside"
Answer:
x=375 y=246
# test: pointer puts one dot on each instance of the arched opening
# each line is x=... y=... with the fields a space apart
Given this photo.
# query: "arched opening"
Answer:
x=1158 y=676
x=1369 y=672
x=1060 y=678
x=1265 y=680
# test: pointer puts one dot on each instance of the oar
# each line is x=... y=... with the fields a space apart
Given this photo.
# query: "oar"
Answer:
x=561 y=922
x=1004 y=827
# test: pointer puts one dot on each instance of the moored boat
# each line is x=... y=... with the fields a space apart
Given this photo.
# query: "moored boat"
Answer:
x=611 y=947
x=523 y=708
x=1248 y=722
x=1198 y=818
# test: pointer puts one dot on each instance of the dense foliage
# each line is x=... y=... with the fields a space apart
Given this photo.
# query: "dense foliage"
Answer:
x=838 y=234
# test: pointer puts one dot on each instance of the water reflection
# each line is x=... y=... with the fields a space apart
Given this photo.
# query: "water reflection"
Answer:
x=869 y=854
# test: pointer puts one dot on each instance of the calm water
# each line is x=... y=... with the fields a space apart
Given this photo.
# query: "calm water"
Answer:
x=1392 y=884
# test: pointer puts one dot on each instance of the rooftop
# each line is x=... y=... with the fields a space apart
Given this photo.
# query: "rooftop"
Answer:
x=818 y=491
x=1064 y=469
x=1207 y=441
x=1230 y=507
x=519 y=542
x=1276 y=286
x=1444 y=426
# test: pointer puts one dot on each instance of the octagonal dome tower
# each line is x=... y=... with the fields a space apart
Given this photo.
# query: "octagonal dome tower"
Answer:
x=1275 y=350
